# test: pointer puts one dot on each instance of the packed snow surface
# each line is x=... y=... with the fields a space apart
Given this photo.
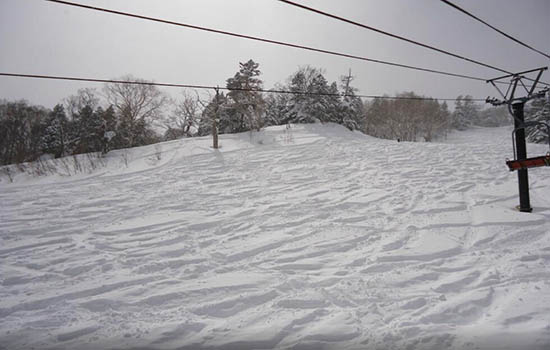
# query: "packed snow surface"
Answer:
x=312 y=237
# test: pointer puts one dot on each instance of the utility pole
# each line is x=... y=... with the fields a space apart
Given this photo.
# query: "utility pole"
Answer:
x=516 y=108
x=215 y=120
x=348 y=82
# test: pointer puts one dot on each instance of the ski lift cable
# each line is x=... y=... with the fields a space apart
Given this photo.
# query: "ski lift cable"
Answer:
x=208 y=87
x=494 y=28
x=395 y=36
x=339 y=18
x=249 y=37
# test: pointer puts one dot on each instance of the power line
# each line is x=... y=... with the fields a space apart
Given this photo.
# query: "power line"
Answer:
x=494 y=28
x=243 y=36
x=210 y=87
x=395 y=36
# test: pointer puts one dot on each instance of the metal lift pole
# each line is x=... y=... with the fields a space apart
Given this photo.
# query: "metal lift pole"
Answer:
x=521 y=151
x=515 y=106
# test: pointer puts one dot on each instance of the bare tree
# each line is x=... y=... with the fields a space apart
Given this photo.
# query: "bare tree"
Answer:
x=84 y=97
x=410 y=118
x=182 y=122
x=137 y=106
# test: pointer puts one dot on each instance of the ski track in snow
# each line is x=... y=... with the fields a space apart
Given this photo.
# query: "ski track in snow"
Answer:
x=313 y=238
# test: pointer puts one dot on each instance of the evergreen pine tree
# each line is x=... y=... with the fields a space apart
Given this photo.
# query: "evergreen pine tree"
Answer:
x=109 y=119
x=54 y=138
x=90 y=130
x=333 y=105
x=314 y=99
x=224 y=116
x=322 y=106
x=298 y=103
x=352 y=109
x=465 y=113
x=110 y=129
x=247 y=105
x=277 y=107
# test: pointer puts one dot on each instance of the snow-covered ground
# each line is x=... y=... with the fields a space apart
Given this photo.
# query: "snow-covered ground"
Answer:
x=308 y=238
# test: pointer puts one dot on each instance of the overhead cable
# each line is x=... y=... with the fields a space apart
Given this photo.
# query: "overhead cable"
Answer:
x=210 y=87
x=292 y=3
x=249 y=37
x=364 y=26
x=494 y=28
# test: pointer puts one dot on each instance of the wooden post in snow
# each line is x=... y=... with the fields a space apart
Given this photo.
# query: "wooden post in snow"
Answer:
x=215 y=120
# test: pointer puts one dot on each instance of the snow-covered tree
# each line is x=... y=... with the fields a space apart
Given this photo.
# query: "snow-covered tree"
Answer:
x=90 y=130
x=217 y=109
x=538 y=111
x=55 y=135
x=466 y=112
x=248 y=106
x=109 y=129
x=314 y=99
x=109 y=119
x=277 y=106
x=352 y=111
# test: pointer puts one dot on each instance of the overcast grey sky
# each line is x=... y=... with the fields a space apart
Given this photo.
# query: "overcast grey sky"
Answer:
x=39 y=37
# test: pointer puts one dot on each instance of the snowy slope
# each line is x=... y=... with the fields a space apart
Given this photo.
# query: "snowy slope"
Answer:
x=308 y=238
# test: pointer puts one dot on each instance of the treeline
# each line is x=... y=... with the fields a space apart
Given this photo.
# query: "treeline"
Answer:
x=309 y=98
x=408 y=118
x=129 y=115
x=80 y=124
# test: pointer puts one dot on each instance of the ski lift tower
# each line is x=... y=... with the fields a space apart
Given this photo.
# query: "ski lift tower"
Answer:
x=515 y=106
